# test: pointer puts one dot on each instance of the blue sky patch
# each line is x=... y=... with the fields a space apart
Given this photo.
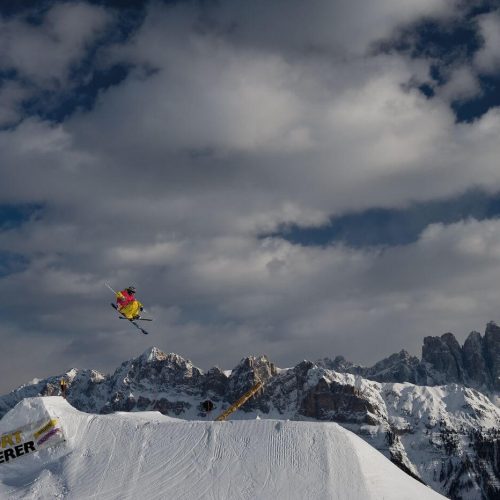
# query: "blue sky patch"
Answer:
x=468 y=110
x=56 y=106
x=86 y=79
x=12 y=216
x=388 y=227
x=11 y=263
x=450 y=45
x=36 y=8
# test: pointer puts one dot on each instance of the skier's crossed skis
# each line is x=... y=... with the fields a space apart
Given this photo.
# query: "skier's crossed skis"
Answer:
x=132 y=321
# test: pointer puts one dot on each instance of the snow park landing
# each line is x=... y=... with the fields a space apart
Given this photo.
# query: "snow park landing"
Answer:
x=152 y=456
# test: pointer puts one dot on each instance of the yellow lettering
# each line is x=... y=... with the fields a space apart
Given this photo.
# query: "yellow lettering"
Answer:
x=18 y=437
x=7 y=441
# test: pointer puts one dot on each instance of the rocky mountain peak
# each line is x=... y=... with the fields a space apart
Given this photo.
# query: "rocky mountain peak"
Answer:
x=476 y=363
x=444 y=356
x=473 y=340
x=474 y=360
x=450 y=340
x=154 y=366
x=260 y=368
x=339 y=364
x=155 y=359
x=248 y=372
x=215 y=382
x=492 y=353
x=404 y=355
x=153 y=354
x=399 y=367
x=492 y=329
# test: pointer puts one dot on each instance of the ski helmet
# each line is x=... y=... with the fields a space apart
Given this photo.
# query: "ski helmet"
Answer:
x=131 y=289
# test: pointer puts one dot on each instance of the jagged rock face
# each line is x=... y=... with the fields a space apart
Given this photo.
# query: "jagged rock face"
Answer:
x=475 y=361
x=339 y=364
x=165 y=370
x=487 y=448
x=337 y=402
x=153 y=373
x=215 y=383
x=400 y=367
x=444 y=356
x=476 y=364
x=248 y=372
x=283 y=392
x=492 y=353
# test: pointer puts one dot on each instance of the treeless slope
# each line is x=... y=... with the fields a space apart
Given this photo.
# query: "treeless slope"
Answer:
x=150 y=456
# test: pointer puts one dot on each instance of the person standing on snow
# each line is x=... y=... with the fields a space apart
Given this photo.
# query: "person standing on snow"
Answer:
x=127 y=304
x=63 y=386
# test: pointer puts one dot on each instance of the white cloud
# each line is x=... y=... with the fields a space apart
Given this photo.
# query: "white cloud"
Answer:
x=11 y=95
x=487 y=59
x=167 y=181
x=462 y=84
x=147 y=255
x=340 y=27
x=471 y=239
x=39 y=159
x=44 y=54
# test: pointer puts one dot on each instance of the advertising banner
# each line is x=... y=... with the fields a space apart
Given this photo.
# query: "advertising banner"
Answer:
x=30 y=438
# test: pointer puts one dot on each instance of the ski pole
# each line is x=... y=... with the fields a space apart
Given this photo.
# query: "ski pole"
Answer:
x=108 y=285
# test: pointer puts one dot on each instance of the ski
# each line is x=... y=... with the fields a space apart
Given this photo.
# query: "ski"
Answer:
x=137 y=319
x=129 y=320
x=138 y=327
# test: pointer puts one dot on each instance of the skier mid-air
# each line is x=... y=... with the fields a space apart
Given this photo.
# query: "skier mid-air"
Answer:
x=127 y=304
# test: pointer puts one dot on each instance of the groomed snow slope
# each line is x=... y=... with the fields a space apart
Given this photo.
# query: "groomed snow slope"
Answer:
x=151 y=456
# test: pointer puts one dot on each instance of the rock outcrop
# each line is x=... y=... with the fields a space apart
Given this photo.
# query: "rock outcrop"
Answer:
x=476 y=364
x=492 y=354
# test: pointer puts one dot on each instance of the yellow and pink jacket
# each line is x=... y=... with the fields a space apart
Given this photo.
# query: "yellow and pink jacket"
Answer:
x=127 y=304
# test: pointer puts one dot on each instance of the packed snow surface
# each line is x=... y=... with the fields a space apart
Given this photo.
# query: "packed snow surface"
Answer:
x=151 y=456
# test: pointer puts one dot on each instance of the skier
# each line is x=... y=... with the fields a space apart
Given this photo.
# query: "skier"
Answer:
x=63 y=385
x=127 y=304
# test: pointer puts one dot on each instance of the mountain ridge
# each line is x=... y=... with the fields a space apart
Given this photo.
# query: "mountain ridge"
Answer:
x=448 y=435
x=475 y=364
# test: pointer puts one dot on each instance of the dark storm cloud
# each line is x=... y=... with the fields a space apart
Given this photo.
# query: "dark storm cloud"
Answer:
x=231 y=120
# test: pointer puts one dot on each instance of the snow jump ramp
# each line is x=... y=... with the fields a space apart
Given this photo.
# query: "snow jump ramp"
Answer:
x=151 y=456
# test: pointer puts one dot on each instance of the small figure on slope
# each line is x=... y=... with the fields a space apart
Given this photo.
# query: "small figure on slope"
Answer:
x=127 y=304
x=63 y=386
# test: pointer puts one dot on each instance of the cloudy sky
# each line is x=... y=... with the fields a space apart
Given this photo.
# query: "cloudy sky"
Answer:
x=290 y=178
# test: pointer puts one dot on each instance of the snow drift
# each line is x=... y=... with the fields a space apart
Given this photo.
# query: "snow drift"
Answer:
x=149 y=455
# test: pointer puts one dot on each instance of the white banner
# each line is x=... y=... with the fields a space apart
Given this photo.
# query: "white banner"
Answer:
x=30 y=438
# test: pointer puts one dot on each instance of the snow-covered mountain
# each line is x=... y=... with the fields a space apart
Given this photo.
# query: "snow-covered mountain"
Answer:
x=475 y=364
x=125 y=456
x=446 y=435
